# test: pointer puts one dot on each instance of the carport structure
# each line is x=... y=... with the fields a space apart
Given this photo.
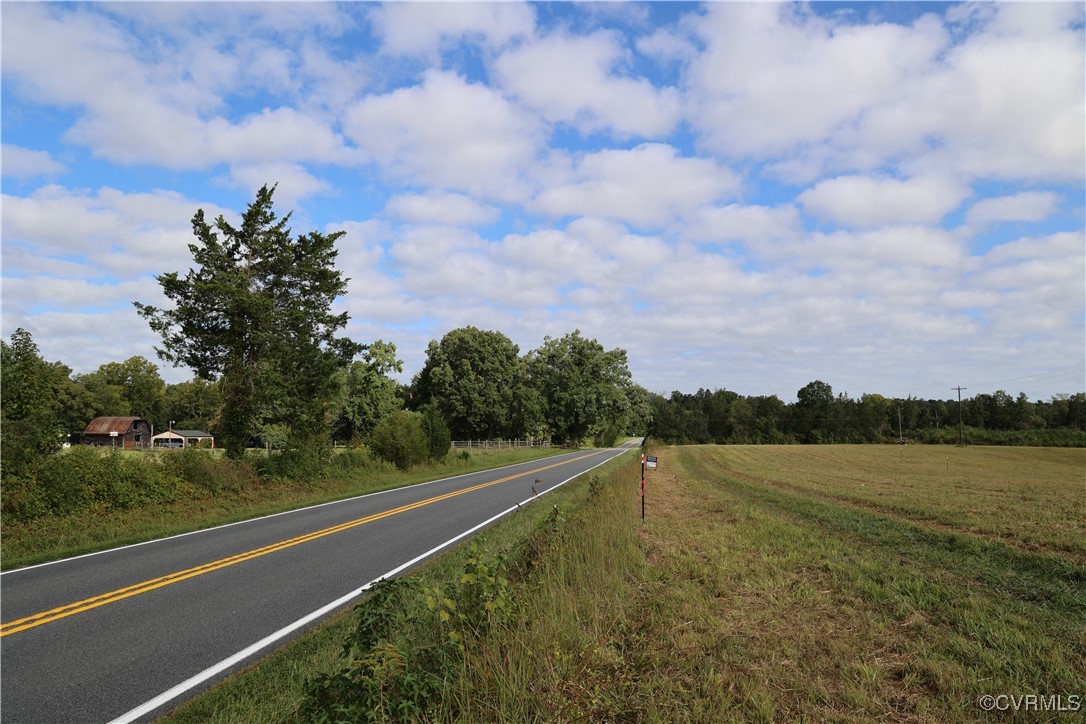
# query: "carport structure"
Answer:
x=182 y=438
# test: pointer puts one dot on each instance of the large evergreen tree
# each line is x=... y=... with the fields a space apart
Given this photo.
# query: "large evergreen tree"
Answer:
x=255 y=310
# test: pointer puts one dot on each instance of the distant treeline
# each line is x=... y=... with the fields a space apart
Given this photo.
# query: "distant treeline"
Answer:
x=819 y=416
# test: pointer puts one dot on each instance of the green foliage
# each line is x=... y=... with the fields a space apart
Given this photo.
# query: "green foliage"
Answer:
x=389 y=676
x=607 y=435
x=819 y=416
x=408 y=643
x=582 y=385
x=473 y=377
x=205 y=471
x=30 y=426
x=438 y=438
x=484 y=598
x=255 y=310
x=368 y=393
x=400 y=439
x=132 y=387
x=88 y=479
x=194 y=405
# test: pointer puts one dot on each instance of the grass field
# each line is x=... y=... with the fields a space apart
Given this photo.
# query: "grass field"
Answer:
x=869 y=582
x=769 y=583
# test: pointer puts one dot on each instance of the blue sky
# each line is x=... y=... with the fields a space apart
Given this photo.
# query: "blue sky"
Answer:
x=886 y=197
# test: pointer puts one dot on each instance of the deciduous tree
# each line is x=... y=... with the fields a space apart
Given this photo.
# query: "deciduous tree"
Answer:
x=472 y=376
x=583 y=386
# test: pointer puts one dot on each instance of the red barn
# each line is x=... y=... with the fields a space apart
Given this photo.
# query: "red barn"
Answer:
x=123 y=432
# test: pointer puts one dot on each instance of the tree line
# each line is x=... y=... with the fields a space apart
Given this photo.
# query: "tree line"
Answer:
x=474 y=385
x=820 y=416
x=253 y=319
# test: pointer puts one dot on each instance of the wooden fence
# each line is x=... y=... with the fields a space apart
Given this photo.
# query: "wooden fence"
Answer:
x=498 y=444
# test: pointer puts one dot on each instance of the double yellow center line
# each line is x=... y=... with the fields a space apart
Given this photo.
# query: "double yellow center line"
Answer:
x=120 y=594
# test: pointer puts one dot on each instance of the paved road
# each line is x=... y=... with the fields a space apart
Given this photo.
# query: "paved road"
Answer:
x=129 y=633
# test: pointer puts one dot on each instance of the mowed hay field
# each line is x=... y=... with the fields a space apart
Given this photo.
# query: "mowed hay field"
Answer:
x=863 y=582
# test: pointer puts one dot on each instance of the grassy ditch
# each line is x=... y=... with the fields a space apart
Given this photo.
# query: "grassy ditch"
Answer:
x=203 y=490
x=515 y=560
x=818 y=583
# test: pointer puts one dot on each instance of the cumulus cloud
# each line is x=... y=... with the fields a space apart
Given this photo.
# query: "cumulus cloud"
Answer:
x=137 y=107
x=1026 y=206
x=861 y=201
x=736 y=222
x=440 y=208
x=572 y=80
x=19 y=162
x=123 y=233
x=775 y=77
x=451 y=133
x=647 y=186
x=424 y=28
x=741 y=194
x=292 y=181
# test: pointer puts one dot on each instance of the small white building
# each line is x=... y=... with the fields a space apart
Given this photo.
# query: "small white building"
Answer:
x=181 y=438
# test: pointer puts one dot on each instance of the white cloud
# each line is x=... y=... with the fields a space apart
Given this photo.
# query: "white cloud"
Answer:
x=647 y=186
x=707 y=279
x=292 y=181
x=19 y=162
x=424 y=28
x=138 y=108
x=1006 y=103
x=440 y=208
x=750 y=224
x=861 y=201
x=1026 y=206
x=111 y=231
x=774 y=76
x=451 y=133
x=892 y=249
x=571 y=80
x=666 y=44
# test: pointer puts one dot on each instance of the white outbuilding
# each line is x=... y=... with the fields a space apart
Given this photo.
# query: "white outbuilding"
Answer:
x=181 y=438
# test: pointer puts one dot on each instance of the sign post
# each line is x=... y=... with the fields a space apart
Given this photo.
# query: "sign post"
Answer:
x=642 y=488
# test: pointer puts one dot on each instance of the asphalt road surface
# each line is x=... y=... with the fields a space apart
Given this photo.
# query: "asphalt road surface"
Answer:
x=128 y=634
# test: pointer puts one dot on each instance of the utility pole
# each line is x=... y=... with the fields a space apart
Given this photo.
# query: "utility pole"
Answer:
x=959 y=389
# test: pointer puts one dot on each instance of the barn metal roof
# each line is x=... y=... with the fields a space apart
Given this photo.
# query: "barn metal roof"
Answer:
x=106 y=425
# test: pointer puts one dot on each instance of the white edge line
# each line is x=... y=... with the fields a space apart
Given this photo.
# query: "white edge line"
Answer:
x=192 y=682
x=274 y=515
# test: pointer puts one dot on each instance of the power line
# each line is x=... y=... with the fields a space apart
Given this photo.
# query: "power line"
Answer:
x=1050 y=373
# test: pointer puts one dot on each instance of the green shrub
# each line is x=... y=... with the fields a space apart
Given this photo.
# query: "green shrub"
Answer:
x=400 y=439
x=85 y=478
x=353 y=459
x=606 y=436
x=438 y=438
x=208 y=472
x=389 y=676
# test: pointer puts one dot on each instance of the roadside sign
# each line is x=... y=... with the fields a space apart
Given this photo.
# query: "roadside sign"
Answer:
x=650 y=461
